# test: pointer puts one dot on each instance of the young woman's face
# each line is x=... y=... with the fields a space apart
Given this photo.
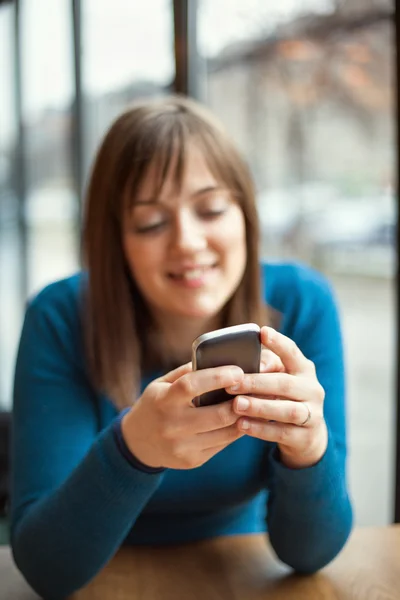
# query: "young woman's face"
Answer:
x=187 y=250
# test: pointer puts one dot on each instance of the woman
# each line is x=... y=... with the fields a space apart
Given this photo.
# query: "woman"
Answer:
x=108 y=447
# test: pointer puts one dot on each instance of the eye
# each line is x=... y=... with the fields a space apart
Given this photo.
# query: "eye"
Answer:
x=212 y=214
x=153 y=228
x=214 y=204
x=212 y=208
x=146 y=220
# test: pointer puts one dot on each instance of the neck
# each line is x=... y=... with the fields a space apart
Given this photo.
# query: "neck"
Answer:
x=177 y=335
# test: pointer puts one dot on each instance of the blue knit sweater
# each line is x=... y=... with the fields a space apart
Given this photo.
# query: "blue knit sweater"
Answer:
x=76 y=497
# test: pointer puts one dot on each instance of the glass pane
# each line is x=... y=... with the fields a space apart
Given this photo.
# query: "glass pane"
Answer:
x=313 y=113
x=47 y=94
x=128 y=52
x=11 y=302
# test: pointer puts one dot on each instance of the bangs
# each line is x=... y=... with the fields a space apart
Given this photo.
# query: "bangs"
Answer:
x=162 y=150
x=157 y=146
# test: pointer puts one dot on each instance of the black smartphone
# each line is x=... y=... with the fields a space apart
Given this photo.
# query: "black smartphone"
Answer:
x=238 y=345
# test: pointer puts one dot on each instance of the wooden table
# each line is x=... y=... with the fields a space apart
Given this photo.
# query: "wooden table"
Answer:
x=243 y=568
x=236 y=568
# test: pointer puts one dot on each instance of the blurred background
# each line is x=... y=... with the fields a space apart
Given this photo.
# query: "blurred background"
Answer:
x=307 y=90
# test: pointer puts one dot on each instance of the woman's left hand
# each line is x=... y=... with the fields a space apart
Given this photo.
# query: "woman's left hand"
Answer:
x=286 y=408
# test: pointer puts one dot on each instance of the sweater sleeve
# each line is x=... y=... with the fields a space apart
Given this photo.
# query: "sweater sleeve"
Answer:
x=75 y=496
x=309 y=512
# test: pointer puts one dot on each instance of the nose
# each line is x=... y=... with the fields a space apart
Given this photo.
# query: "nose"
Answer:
x=188 y=235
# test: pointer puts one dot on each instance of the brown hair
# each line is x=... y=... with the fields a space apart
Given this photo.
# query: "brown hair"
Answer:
x=116 y=319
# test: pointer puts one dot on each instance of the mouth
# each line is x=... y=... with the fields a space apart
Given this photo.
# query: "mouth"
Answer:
x=192 y=273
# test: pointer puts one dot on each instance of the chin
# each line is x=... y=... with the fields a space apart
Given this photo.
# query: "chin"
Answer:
x=197 y=312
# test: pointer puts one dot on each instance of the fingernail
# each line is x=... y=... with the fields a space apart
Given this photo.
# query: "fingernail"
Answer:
x=237 y=374
x=234 y=388
x=242 y=404
x=245 y=425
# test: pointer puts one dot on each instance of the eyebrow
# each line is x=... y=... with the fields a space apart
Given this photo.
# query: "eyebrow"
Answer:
x=199 y=192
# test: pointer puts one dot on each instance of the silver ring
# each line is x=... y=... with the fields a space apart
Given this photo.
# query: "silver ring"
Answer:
x=308 y=416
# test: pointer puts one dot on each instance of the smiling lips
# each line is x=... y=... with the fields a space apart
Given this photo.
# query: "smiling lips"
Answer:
x=192 y=276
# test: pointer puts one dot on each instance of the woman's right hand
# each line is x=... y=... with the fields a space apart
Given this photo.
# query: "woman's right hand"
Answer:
x=164 y=429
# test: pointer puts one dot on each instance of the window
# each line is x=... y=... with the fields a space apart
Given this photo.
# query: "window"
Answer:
x=10 y=241
x=47 y=94
x=128 y=52
x=313 y=113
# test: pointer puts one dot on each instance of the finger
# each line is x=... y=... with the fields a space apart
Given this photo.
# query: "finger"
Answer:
x=210 y=418
x=279 y=385
x=219 y=438
x=196 y=383
x=172 y=376
x=282 y=411
x=292 y=358
x=283 y=434
x=270 y=362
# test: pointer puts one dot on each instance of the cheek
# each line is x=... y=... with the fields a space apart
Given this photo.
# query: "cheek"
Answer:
x=141 y=257
x=232 y=236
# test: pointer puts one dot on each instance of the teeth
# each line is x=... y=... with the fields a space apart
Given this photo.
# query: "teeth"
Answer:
x=193 y=274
